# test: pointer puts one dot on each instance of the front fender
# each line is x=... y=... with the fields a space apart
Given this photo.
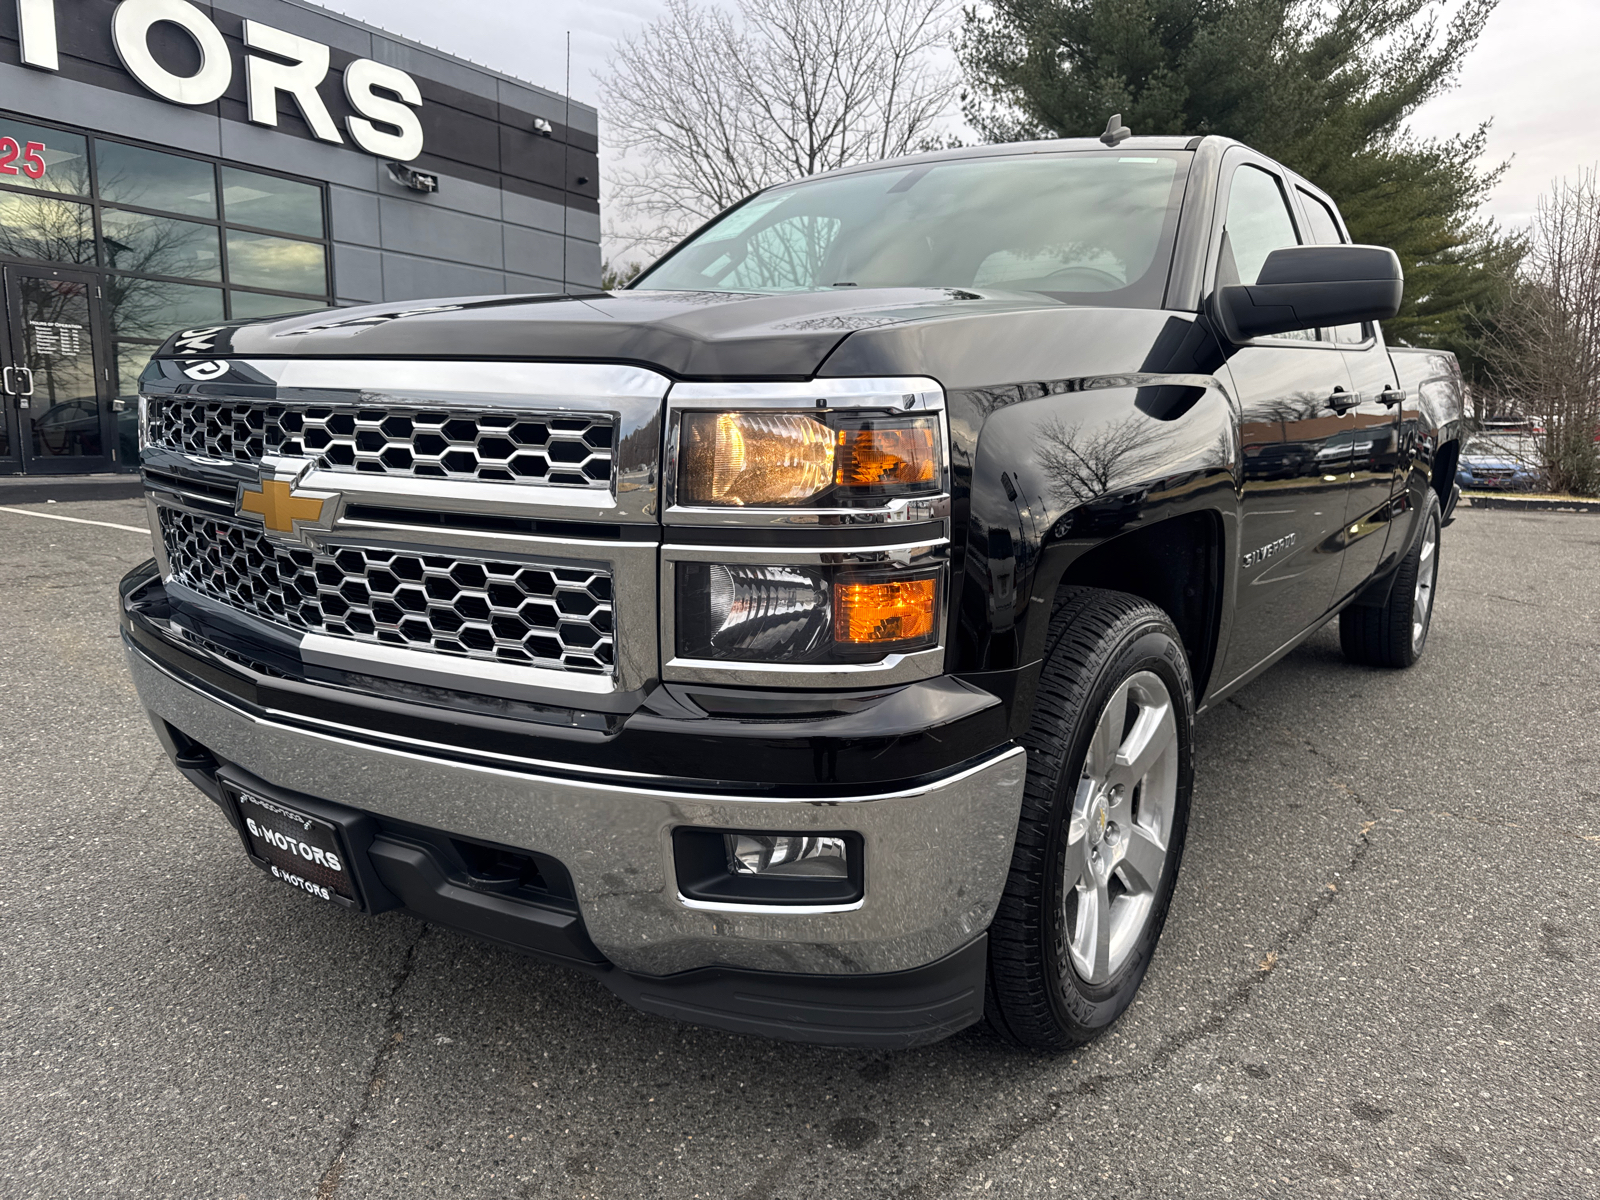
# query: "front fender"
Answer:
x=1071 y=467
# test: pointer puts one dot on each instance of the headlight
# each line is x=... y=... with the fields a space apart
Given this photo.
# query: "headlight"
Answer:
x=803 y=614
x=741 y=459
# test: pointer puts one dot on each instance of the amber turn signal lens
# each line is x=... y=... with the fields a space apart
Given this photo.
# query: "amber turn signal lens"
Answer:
x=739 y=459
x=866 y=614
x=888 y=456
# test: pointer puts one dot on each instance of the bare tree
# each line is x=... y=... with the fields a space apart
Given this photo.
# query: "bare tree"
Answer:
x=1083 y=467
x=1544 y=351
x=715 y=106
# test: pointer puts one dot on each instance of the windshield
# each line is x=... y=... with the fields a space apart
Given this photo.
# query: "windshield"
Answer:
x=1088 y=225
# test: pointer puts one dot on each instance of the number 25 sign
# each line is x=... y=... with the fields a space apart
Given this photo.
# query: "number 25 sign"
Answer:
x=32 y=156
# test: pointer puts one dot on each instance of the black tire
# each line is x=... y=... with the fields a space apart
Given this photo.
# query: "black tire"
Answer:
x=1099 y=641
x=1390 y=635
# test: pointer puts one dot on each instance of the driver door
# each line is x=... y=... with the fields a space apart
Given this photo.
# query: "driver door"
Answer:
x=1293 y=390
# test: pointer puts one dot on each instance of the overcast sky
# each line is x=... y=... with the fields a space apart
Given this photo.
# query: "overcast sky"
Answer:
x=1536 y=72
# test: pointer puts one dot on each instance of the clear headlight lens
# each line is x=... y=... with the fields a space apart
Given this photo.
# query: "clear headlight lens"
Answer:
x=792 y=614
x=755 y=458
x=740 y=459
x=779 y=614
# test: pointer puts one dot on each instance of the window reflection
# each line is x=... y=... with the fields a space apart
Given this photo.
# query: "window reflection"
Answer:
x=278 y=263
x=253 y=305
x=151 y=308
x=271 y=203
x=58 y=347
x=159 y=245
x=57 y=162
x=131 y=359
x=40 y=228
x=150 y=179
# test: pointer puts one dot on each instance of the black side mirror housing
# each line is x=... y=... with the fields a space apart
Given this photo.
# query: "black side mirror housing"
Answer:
x=1306 y=287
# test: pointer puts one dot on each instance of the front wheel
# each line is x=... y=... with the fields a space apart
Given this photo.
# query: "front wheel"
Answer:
x=1105 y=811
x=1395 y=634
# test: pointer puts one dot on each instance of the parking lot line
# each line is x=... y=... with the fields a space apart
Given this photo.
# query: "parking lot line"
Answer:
x=28 y=512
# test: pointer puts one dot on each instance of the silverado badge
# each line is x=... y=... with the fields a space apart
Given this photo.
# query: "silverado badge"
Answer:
x=281 y=505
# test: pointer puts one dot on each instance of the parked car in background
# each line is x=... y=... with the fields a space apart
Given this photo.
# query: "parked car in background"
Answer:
x=1498 y=464
x=1509 y=426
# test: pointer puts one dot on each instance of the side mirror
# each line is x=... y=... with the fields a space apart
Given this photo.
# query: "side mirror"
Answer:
x=1304 y=287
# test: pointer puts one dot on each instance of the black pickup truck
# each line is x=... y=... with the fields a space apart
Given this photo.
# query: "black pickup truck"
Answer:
x=807 y=640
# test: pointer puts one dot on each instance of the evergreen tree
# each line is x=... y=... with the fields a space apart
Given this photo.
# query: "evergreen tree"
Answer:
x=1323 y=86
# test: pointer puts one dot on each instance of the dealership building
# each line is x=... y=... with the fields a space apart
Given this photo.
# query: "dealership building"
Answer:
x=168 y=165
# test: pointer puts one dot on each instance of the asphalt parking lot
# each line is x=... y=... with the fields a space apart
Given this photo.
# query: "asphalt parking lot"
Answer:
x=1379 y=976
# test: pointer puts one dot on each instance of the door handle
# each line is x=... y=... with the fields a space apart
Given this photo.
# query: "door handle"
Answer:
x=1389 y=397
x=1342 y=401
x=19 y=383
x=6 y=385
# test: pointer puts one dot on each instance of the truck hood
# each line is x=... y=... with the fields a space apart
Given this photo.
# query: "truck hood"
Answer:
x=701 y=335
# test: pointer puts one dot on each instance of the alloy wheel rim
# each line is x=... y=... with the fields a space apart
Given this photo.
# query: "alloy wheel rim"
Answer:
x=1120 y=828
x=1427 y=576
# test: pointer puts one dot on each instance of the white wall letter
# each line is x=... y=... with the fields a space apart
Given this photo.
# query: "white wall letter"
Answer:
x=300 y=77
x=360 y=77
x=130 y=33
x=37 y=21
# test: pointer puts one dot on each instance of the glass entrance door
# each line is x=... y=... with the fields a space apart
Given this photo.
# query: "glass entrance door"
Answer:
x=56 y=383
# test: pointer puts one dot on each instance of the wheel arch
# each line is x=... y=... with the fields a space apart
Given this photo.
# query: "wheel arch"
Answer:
x=1177 y=564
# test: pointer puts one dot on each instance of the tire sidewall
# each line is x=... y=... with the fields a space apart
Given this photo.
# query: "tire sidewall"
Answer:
x=1148 y=646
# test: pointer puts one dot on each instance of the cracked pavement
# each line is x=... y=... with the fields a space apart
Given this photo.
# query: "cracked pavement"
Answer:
x=1378 y=977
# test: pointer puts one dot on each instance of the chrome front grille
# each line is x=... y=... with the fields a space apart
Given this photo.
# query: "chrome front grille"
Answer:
x=552 y=449
x=539 y=615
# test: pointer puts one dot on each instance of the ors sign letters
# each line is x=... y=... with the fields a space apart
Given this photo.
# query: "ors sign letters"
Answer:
x=384 y=98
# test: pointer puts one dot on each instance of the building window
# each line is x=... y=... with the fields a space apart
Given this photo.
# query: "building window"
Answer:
x=149 y=179
x=42 y=228
x=180 y=241
x=260 y=260
x=268 y=202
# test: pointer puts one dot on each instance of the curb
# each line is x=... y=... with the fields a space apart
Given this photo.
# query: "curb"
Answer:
x=1507 y=502
x=36 y=489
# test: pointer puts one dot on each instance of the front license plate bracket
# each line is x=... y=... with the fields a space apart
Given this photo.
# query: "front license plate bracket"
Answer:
x=317 y=848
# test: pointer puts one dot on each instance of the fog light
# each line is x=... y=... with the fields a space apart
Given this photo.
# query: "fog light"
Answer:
x=786 y=854
x=753 y=867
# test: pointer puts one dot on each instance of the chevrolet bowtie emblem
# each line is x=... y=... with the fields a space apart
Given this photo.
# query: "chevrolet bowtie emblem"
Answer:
x=278 y=507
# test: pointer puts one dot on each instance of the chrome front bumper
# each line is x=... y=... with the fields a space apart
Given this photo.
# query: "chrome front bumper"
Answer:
x=936 y=856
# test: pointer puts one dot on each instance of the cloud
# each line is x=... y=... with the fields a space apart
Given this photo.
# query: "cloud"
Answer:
x=1534 y=72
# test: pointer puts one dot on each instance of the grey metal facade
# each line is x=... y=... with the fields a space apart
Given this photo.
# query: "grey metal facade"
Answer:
x=506 y=188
